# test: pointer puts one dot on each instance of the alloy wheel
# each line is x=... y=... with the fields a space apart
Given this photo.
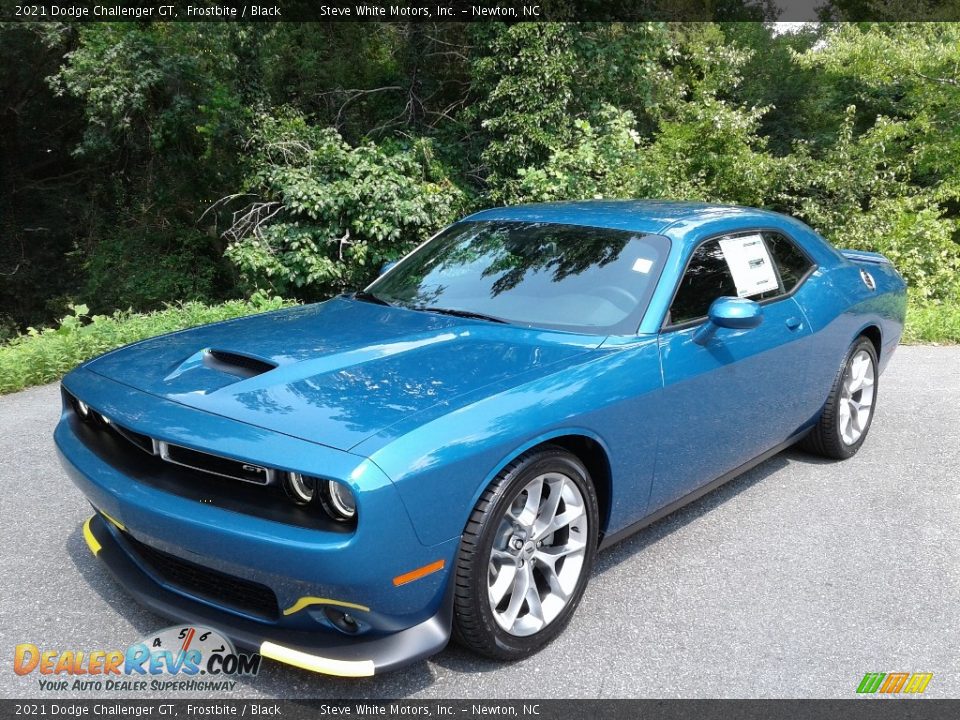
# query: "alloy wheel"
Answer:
x=856 y=397
x=538 y=554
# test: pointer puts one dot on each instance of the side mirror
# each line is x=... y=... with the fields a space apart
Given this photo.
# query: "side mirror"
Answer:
x=729 y=312
x=736 y=313
x=386 y=266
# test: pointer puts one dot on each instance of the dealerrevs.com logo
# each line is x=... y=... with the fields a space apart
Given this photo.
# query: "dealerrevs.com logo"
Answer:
x=172 y=659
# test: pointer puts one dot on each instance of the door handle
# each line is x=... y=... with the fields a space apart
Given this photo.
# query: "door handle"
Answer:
x=794 y=322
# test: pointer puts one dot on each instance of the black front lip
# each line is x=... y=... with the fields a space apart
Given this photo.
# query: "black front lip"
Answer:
x=322 y=651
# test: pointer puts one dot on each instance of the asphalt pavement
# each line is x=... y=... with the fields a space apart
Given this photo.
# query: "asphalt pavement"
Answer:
x=792 y=581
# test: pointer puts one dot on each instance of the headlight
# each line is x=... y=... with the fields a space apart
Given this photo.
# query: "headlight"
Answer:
x=340 y=501
x=300 y=488
x=337 y=500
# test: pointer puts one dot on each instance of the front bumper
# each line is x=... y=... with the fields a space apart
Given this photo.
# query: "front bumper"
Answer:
x=320 y=652
x=307 y=573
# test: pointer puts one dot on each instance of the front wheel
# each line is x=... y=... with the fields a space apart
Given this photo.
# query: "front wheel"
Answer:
x=846 y=417
x=526 y=555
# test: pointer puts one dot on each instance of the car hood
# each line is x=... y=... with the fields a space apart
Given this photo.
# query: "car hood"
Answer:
x=338 y=372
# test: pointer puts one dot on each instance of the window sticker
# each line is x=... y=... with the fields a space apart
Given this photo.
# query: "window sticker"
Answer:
x=642 y=265
x=750 y=264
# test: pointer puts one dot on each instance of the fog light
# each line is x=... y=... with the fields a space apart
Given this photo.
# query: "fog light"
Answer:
x=344 y=622
x=341 y=500
x=300 y=489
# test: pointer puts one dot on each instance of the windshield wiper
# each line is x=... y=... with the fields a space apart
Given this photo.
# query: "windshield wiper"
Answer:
x=459 y=313
x=369 y=297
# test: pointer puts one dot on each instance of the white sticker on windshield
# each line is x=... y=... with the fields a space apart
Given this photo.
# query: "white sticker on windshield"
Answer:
x=642 y=265
x=750 y=264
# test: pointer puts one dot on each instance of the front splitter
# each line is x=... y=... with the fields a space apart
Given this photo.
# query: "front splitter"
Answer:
x=323 y=652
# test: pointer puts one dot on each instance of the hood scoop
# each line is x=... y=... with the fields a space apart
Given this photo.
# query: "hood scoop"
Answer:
x=232 y=363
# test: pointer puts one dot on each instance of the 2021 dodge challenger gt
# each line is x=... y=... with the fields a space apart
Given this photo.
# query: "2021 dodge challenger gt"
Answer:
x=343 y=486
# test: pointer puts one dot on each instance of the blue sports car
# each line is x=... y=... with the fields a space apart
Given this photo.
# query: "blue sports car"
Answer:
x=343 y=486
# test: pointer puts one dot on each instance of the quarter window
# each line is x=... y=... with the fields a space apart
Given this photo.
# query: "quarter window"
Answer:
x=792 y=263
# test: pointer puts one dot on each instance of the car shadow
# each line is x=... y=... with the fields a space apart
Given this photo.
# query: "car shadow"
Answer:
x=631 y=546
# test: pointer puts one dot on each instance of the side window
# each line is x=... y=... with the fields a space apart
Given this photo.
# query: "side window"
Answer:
x=709 y=273
x=792 y=263
x=707 y=278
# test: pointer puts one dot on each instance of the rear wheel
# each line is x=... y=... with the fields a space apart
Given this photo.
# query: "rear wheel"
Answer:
x=846 y=418
x=526 y=555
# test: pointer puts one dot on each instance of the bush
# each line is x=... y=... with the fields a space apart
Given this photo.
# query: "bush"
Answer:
x=932 y=321
x=603 y=161
x=712 y=156
x=857 y=194
x=146 y=267
x=327 y=215
x=40 y=356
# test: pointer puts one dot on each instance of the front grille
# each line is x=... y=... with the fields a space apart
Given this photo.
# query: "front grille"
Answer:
x=177 y=454
x=164 y=467
x=212 y=585
x=141 y=441
x=215 y=464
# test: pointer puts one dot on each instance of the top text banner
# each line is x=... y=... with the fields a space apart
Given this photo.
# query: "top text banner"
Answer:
x=478 y=11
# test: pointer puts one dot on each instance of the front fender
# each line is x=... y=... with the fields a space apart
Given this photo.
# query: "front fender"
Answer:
x=448 y=462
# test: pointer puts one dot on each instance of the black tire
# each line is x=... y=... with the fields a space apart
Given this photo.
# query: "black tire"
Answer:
x=474 y=624
x=826 y=438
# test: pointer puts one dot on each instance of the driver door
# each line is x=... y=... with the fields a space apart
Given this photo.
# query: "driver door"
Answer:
x=729 y=394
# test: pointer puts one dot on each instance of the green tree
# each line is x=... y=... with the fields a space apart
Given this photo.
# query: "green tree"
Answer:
x=890 y=180
x=43 y=188
x=342 y=145
x=163 y=108
x=908 y=72
x=535 y=84
x=318 y=215
x=694 y=144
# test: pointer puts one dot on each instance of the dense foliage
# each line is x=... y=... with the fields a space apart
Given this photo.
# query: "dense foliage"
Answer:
x=325 y=215
x=148 y=163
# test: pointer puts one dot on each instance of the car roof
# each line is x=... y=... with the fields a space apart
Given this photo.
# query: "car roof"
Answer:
x=646 y=216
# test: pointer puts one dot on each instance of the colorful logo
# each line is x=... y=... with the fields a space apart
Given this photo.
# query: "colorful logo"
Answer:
x=893 y=683
x=179 y=651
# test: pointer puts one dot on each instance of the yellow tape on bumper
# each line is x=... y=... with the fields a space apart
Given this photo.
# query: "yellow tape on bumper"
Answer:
x=310 y=600
x=116 y=522
x=327 y=666
x=92 y=543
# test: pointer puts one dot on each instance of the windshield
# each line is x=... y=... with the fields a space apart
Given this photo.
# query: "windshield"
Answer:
x=566 y=277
